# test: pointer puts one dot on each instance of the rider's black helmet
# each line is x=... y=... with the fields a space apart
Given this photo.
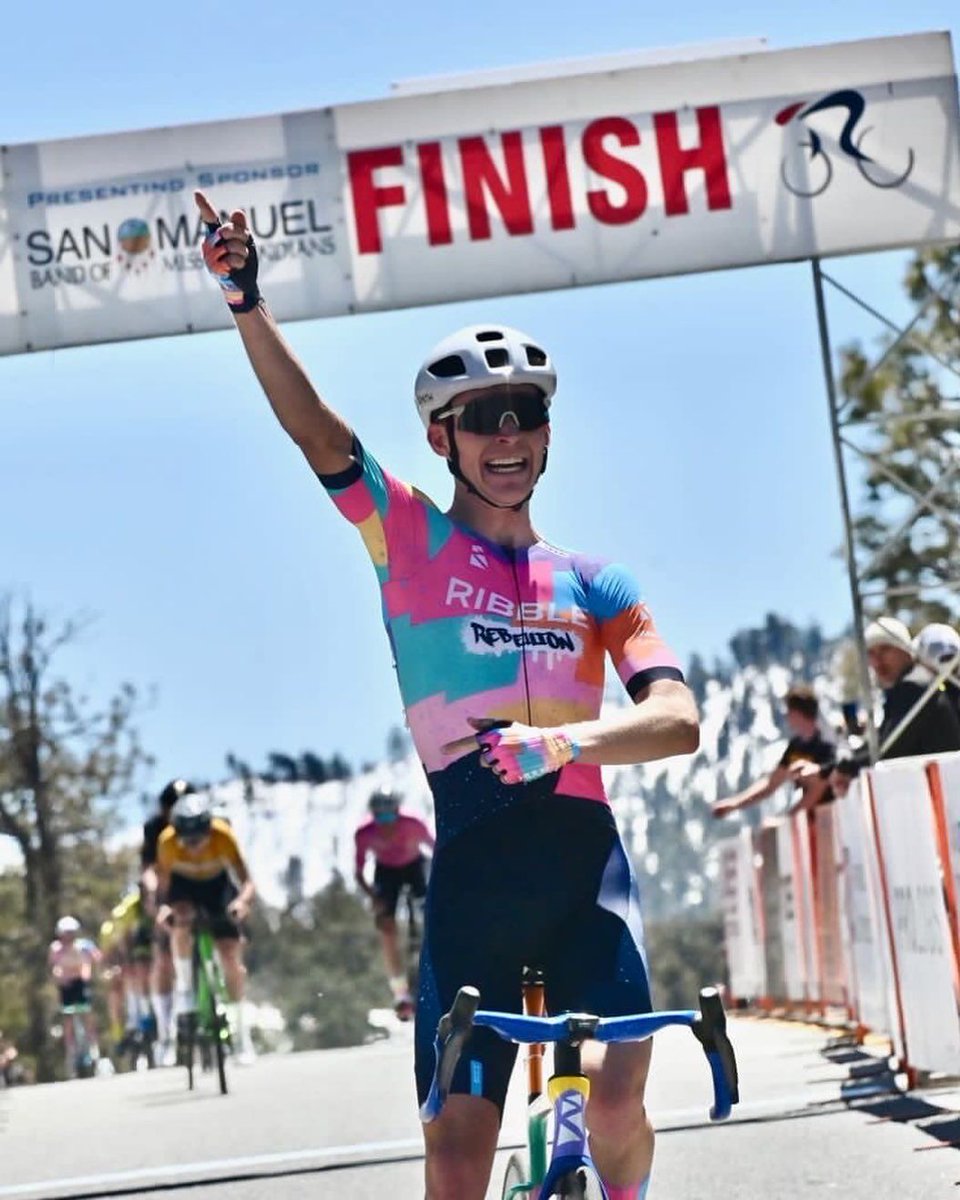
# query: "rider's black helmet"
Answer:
x=175 y=790
x=384 y=801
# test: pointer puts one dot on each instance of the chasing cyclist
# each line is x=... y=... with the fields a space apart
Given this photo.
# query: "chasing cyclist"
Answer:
x=499 y=639
x=126 y=942
x=200 y=869
x=396 y=840
x=72 y=960
x=161 y=969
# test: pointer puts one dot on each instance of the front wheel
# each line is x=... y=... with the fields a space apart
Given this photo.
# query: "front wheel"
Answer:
x=516 y=1177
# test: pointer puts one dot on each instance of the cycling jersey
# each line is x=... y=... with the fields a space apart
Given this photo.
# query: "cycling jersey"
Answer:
x=152 y=828
x=72 y=960
x=482 y=630
x=128 y=928
x=217 y=855
x=393 y=844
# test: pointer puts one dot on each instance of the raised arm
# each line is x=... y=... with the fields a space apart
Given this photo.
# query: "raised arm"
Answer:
x=753 y=794
x=230 y=254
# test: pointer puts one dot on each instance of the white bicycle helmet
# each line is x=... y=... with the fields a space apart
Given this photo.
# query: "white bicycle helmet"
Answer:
x=191 y=816
x=67 y=925
x=937 y=643
x=481 y=356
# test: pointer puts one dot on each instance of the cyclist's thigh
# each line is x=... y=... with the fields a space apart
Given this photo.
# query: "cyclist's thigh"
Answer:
x=212 y=900
x=182 y=897
x=208 y=897
x=416 y=877
x=387 y=882
x=74 y=993
x=599 y=965
x=483 y=920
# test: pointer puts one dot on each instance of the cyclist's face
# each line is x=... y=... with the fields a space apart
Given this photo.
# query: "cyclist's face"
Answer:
x=385 y=818
x=504 y=464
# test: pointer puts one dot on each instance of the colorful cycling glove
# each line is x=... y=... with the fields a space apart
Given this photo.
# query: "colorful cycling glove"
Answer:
x=518 y=753
x=240 y=285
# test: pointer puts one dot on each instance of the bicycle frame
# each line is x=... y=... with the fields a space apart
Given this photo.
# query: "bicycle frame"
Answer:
x=75 y=1013
x=208 y=979
x=212 y=1028
x=534 y=1005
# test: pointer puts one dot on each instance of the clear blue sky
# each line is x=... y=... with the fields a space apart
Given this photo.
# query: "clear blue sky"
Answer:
x=147 y=483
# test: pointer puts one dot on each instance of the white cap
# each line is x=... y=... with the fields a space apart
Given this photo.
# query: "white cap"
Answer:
x=67 y=925
x=888 y=631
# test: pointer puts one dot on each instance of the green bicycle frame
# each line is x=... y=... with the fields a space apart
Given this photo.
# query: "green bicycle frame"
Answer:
x=536 y=1149
x=211 y=988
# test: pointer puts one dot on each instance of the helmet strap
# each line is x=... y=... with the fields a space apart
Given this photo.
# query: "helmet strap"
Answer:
x=453 y=466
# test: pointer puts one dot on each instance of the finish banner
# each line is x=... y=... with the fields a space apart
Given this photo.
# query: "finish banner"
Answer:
x=419 y=199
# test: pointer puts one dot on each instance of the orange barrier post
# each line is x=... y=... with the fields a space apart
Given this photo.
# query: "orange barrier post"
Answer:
x=946 y=866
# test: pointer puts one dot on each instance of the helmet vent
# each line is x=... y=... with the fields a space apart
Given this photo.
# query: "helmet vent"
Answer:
x=535 y=356
x=497 y=357
x=490 y=335
x=449 y=367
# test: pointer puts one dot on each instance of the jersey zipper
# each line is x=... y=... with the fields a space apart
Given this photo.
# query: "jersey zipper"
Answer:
x=523 y=632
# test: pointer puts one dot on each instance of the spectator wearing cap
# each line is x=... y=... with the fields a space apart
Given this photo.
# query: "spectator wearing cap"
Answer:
x=805 y=761
x=934 y=727
x=937 y=646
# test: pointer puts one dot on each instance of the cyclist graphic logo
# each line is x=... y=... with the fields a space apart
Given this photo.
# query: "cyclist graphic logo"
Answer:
x=807 y=168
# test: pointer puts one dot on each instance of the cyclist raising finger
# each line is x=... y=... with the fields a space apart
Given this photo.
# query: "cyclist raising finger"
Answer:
x=499 y=639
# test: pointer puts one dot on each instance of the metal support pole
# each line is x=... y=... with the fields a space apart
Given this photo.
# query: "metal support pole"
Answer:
x=858 y=619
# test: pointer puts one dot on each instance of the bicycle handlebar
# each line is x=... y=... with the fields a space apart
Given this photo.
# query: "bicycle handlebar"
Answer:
x=708 y=1025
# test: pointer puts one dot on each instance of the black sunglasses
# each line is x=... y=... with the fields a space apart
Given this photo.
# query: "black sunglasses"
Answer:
x=486 y=414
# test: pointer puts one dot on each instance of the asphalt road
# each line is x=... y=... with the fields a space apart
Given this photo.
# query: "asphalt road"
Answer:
x=344 y=1123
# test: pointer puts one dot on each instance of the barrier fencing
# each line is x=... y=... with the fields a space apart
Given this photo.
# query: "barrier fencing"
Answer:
x=849 y=912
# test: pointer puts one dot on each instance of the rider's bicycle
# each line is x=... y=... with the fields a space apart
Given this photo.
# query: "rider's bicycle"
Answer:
x=84 y=1062
x=205 y=1035
x=138 y=1049
x=570 y=1174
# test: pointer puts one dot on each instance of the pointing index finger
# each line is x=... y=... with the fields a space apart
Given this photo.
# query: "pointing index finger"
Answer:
x=464 y=743
x=207 y=211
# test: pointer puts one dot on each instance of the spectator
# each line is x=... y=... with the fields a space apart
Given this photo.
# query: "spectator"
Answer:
x=803 y=761
x=935 y=725
x=11 y=1072
x=936 y=646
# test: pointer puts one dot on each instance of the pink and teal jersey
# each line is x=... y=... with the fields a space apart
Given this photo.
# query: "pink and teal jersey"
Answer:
x=481 y=630
x=394 y=844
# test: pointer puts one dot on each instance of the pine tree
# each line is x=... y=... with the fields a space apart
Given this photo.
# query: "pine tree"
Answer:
x=63 y=769
x=910 y=404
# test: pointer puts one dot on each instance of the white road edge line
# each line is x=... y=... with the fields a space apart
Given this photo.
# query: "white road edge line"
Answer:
x=173 y=1171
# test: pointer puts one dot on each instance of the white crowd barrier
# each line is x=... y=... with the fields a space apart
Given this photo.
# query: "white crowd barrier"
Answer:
x=851 y=912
